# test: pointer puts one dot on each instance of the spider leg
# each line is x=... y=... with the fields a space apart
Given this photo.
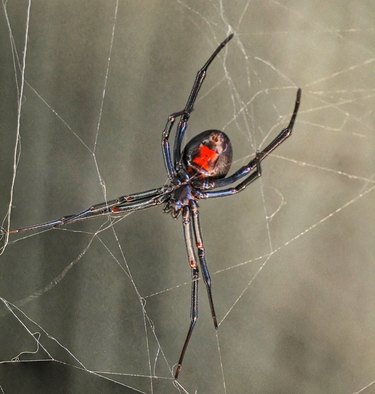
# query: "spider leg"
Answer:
x=233 y=190
x=166 y=147
x=194 y=286
x=130 y=198
x=184 y=117
x=124 y=203
x=156 y=200
x=202 y=258
x=201 y=75
x=254 y=163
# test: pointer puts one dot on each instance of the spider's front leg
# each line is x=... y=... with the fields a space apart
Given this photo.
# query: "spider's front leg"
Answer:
x=186 y=223
x=202 y=258
x=190 y=222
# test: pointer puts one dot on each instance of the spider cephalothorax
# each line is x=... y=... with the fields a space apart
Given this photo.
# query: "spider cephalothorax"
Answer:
x=192 y=175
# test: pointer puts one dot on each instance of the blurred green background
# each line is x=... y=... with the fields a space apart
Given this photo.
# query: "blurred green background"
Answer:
x=291 y=258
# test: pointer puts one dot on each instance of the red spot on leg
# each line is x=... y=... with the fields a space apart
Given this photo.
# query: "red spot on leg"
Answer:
x=193 y=263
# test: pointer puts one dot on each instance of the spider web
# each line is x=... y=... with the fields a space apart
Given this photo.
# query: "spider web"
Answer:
x=104 y=305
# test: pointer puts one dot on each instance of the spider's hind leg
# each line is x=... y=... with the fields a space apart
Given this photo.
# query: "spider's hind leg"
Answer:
x=252 y=177
x=184 y=115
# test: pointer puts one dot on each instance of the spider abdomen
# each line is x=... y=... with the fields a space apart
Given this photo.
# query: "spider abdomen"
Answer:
x=209 y=154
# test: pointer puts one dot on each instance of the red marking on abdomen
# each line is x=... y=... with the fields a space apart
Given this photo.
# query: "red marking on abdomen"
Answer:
x=205 y=158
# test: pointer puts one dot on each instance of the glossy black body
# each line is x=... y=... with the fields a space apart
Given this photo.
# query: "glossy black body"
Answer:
x=215 y=141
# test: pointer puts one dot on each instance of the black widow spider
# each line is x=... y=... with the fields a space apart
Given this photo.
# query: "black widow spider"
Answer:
x=192 y=175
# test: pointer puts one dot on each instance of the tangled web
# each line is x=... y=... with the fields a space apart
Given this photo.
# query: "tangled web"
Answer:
x=104 y=305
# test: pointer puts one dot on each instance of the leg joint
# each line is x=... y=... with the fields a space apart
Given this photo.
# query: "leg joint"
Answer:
x=193 y=320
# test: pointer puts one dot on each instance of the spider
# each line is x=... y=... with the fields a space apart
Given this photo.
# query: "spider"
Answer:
x=194 y=173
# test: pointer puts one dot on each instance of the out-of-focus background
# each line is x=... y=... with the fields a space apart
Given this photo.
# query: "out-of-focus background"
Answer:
x=291 y=258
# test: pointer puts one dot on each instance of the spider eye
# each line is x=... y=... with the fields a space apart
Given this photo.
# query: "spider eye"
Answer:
x=208 y=154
